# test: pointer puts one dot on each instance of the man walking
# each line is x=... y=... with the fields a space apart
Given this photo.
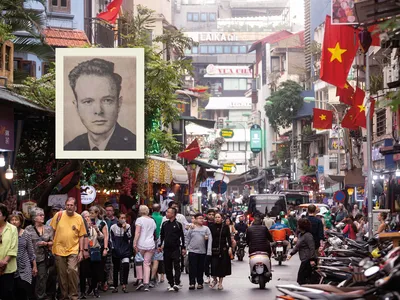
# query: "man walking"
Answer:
x=199 y=245
x=317 y=228
x=68 y=248
x=172 y=242
x=108 y=269
x=207 y=266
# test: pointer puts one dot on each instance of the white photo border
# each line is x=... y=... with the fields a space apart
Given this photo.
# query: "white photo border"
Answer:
x=138 y=53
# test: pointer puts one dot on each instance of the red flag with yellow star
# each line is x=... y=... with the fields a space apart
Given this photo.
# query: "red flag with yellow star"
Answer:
x=348 y=120
x=338 y=51
x=356 y=115
x=112 y=12
x=346 y=94
x=361 y=116
x=322 y=118
x=191 y=152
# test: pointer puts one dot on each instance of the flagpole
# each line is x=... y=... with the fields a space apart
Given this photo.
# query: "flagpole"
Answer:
x=369 y=145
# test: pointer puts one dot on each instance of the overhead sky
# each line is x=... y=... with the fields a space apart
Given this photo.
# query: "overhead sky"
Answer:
x=297 y=12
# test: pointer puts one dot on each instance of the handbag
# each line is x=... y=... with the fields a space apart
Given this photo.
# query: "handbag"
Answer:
x=95 y=254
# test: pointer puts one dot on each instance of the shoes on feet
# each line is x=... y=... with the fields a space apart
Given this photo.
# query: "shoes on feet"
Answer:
x=82 y=296
x=171 y=289
x=146 y=288
x=152 y=284
x=96 y=293
x=125 y=290
x=192 y=287
x=137 y=282
x=208 y=280
x=140 y=286
x=176 y=288
x=213 y=283
x=220 y=287
x=115 y=291
x=199 y=286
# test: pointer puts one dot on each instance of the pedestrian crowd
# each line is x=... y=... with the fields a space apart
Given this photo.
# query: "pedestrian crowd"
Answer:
x=74 y=256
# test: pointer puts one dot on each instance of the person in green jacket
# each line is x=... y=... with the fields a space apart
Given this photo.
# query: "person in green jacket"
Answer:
x=292 y=221
x=283 y=219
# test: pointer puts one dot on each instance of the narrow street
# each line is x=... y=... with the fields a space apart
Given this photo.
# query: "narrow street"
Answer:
x=237 y=286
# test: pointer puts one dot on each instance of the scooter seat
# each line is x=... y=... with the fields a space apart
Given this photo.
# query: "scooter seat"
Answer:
x=350 y=291
x=257 y=253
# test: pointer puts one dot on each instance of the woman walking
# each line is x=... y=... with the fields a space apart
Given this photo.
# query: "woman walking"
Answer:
x=121 y=236
x=306 y=247
x=144 y=245
x=233 y=231
x=26 y=260
x=42 y=240
x=221 y=251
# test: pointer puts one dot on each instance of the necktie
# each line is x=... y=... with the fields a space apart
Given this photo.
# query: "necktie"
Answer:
x=95 y=149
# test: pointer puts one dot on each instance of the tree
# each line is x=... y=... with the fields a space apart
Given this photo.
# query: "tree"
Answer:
x=17 y=17
x=162 y=78
x=284 y=104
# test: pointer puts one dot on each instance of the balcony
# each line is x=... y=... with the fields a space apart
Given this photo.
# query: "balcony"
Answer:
x=99 y=33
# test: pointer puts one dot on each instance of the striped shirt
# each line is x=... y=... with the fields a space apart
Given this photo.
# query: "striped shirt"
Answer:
x=25 y=257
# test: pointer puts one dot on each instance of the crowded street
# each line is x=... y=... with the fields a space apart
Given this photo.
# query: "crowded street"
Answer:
x=237 y=286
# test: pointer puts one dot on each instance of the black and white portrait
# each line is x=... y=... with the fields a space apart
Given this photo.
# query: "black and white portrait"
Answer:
x=100 y=105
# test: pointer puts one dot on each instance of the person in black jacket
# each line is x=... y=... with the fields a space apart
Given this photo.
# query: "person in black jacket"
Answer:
x=317 y=228
x=172 y=242
x=121 y=237
x=258 y=237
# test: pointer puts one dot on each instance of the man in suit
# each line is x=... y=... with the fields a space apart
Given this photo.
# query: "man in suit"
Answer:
x=98 y=102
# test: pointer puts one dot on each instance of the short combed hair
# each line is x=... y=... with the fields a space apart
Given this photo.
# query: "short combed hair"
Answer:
x=198 y=215
x=312 y=209
x=172 y=203
x=70 y=199
x=144 y=210
x=35 y=211
x=174 y=210
x=304 y=224
x=98 y=67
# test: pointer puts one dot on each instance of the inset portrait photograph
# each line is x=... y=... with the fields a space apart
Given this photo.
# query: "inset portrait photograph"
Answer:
x=99 y=103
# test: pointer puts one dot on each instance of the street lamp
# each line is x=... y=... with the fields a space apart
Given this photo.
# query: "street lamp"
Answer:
x=245 y=142
x=312 y=99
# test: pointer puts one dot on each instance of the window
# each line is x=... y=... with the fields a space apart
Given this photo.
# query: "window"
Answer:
x=45 y=68
x=235 y=49
x=219 y=49
x=25 y=66
x=203 y=17
x=242 y=146
x=195 y=50
x=190 y=16
x=211 y=49
x=212 y=17
x=60 y=6
x=227 y=49
x=332 y=162
x=275 y=64
x=243 y=49
x=235 y=146
x=203 y=49
x=195 y=17
x=235 y=84
x=381 y=122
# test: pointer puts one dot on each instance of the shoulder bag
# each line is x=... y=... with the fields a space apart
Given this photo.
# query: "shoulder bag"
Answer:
x=48 y=256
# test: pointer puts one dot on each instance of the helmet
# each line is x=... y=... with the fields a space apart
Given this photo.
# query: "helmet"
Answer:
x=282 y=213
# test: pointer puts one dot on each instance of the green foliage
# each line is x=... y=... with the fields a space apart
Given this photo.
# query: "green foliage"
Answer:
x=283 y=155
x=286 y=102
x=41 y=91
x=5 y=32
x=308 y=169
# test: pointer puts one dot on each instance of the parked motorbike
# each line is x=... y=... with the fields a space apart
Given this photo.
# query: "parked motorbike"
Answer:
x=260 y=268
x=240 y=246
x=280 y=254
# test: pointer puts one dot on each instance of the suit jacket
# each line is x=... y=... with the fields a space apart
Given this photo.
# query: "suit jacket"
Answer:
x=121 y=139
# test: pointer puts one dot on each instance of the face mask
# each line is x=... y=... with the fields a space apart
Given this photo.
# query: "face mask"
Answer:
x=122 y=221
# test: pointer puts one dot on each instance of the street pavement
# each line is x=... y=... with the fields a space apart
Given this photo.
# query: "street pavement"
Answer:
x=237 y=286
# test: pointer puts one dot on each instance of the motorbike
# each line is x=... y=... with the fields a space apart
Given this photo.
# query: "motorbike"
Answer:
x=240 y=246
x=280 y=254
x=260 y=269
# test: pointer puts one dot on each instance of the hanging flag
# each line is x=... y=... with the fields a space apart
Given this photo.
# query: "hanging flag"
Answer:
x=112 y=12
x=356 y=115
x=348 y=120
x=361 y=116
x=346 y=94
x=191 y=152
x=322 y=118
x=338 y=51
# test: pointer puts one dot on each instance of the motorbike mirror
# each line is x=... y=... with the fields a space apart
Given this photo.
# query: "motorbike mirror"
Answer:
x=364 y=262
x=371 y=271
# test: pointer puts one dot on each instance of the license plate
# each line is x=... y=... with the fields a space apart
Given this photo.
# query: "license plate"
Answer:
x=280 y=249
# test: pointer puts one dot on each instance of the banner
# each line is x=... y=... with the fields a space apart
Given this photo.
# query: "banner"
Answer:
x=343 y=12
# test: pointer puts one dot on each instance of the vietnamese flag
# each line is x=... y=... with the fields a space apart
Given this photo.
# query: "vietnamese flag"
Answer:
x=348 y=119
x=361 y=116
x=322 y=118
x=191 y=152
x=346 y=94
x=112 y=12
x=338 y=51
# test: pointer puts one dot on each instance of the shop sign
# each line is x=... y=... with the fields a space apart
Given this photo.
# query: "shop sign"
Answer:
x=333 y=144
x=229 y=168
x=255 y=138
x=227 y=133
x=228 y=70
x=88 y=194
x=6 y=128
x=217 y=37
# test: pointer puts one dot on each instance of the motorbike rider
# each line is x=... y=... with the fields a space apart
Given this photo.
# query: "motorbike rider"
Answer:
x=258 y=237
x=241 y=227
x=292 y=220
x=283 y=219
x=280 y=232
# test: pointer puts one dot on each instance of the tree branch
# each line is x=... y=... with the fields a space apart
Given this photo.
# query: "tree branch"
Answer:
x=74 y=165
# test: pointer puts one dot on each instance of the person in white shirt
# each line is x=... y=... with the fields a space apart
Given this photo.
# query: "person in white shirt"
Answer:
x=144 y=243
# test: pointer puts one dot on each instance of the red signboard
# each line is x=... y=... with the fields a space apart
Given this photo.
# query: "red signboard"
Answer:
x=6 y=128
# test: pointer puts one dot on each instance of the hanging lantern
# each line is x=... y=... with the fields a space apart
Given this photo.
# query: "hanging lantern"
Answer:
x=365 y=40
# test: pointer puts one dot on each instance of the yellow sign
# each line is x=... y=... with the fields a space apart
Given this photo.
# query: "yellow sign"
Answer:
x=229 y=168
x=227 y=133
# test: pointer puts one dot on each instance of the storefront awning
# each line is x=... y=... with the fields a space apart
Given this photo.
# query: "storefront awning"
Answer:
x=164 y=170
